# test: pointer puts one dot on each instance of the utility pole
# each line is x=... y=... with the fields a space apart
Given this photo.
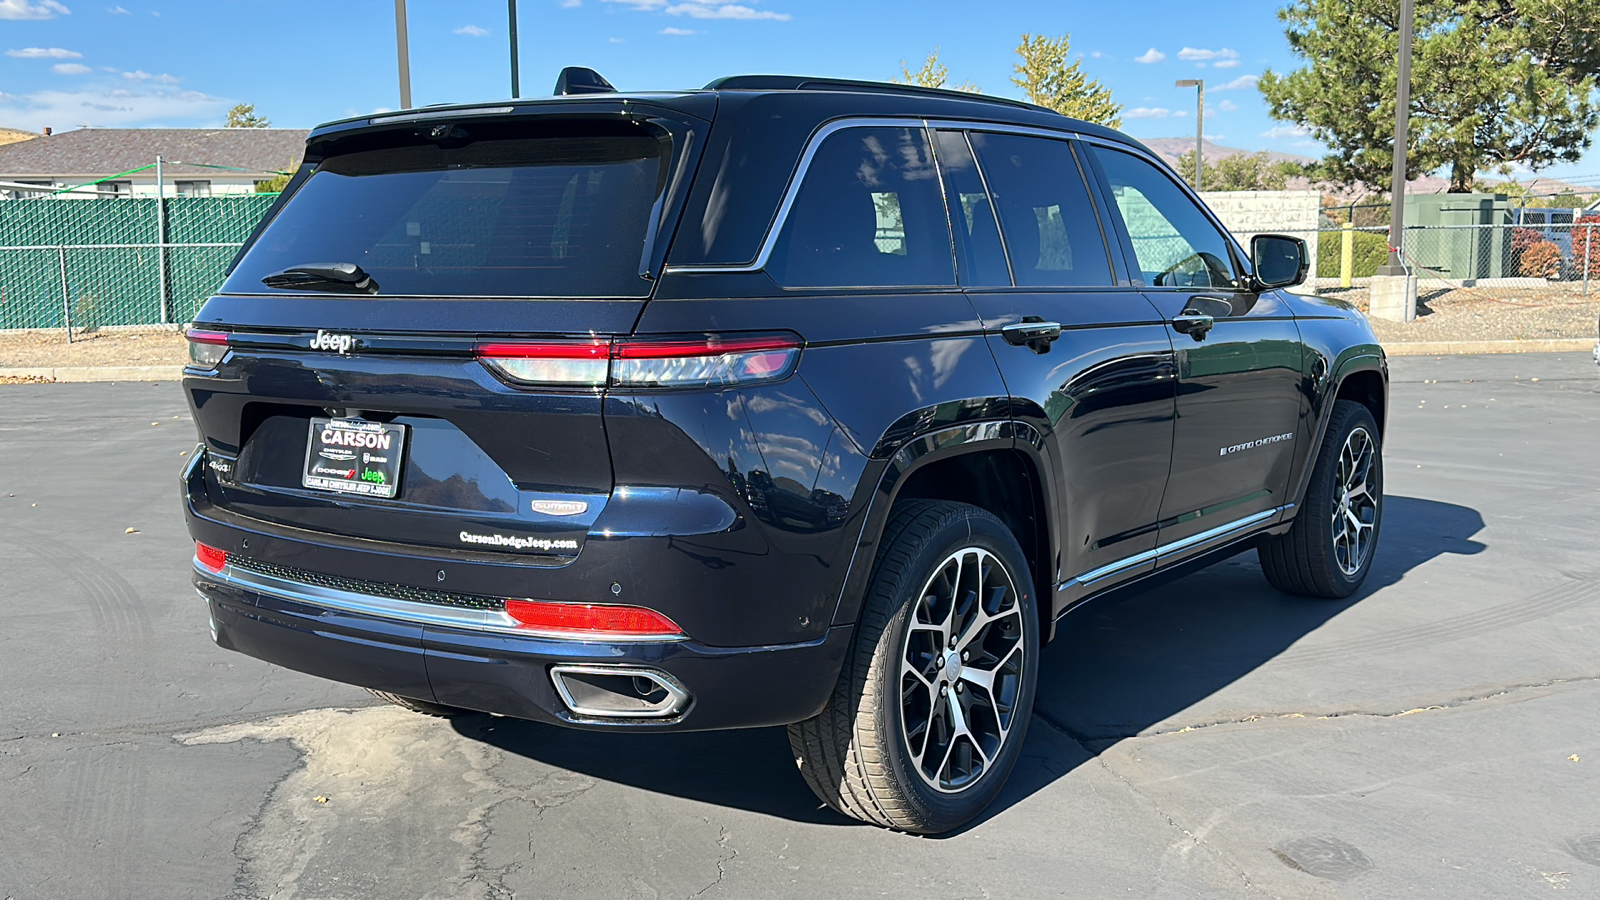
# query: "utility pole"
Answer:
x=1393 y=293
x=516 y=91
x=403 y=51
x=1199 y=84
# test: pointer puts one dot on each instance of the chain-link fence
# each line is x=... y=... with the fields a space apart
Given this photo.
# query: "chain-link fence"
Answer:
x=86 y=264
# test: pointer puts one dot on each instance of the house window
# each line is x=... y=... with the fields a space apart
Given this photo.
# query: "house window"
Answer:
x=194 y=188
x=116 y=188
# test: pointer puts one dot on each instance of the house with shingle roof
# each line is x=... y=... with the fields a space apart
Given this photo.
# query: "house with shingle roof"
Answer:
x=120 y=162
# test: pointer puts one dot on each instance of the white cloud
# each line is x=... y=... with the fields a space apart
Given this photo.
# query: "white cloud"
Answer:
x=1240 y=83
x=72 y=68
x=571 y=4
x=679 y=31
x=615 y=40
x=141 y=75
x=44 y=53
x=138 y=105
x=1181 y=114
x=1227 y=106
x=1095 y=54
x=1147 y=112
x=472 y=31
x=1225 y=63
x=704 y=9
x=1150 y=56
x=1279 y=132
x=118 y=11
x=1194 y=53
x=22 y=9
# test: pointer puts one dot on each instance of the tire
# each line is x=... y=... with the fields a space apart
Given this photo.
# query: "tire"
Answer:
x=1328 y=552
x=419 y=706
x=900 y=759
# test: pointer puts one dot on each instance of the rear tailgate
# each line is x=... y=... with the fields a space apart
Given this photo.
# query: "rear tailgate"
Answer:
x=537 y=228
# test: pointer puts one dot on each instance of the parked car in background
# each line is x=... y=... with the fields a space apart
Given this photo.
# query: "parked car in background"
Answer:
x=787 y=401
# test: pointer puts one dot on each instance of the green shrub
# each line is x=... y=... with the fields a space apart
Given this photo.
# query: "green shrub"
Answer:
x=1370 y=250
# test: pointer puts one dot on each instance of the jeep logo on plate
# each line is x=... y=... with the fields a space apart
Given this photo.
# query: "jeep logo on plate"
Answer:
x=328 y=340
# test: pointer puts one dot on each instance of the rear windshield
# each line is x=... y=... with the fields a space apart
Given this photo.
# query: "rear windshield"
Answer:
x=543 y=217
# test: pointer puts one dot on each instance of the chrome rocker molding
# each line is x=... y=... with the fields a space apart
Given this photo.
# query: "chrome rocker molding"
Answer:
x=677 y=697
x=496 y=621
x=1193 y=540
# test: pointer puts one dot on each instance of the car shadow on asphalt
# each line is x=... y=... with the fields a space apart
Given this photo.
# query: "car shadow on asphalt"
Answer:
x=1118 y=666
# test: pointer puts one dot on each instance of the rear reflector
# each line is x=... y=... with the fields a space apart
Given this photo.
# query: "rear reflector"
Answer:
x=206 y=348
x=623 y=621
x=210 y=557
x=702 y=361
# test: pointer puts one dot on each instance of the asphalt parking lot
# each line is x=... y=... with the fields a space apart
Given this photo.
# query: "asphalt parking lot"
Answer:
x=1434 y=735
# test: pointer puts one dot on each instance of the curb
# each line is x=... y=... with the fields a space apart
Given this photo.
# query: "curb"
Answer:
x=1457 y=348
x=65 y=374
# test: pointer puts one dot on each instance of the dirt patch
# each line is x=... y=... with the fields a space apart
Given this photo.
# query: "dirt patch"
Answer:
x=49 y=349
x=1486 y=314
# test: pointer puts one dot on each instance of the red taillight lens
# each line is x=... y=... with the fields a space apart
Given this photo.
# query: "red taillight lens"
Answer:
x=206 y=348
x=709 y=362
x=584 y=618
x=210 y=557
x=581 y=364
x=712 y=361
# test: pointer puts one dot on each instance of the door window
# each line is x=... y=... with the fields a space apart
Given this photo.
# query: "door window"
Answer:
x=869 y=214
x=1173 y=241
x=1046 y=217
x=980 y=259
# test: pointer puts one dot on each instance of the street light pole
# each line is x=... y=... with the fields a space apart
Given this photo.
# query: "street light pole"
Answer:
x=516 y=91
x=1402 y=122
x=1199 y=84
x=403 y=52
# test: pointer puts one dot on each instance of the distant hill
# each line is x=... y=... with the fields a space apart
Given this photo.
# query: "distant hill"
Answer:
x=1171 y=148
x=11 y=135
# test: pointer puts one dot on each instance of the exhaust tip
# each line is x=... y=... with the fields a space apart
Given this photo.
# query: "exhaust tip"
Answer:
x=619 y=692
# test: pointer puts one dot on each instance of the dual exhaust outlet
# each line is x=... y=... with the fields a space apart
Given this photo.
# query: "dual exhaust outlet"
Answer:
x=618 y=692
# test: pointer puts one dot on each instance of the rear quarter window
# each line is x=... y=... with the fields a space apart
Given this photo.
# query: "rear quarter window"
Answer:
x=544 y=217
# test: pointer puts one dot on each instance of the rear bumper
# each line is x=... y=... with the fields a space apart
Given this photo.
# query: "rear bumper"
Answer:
x=359 y=641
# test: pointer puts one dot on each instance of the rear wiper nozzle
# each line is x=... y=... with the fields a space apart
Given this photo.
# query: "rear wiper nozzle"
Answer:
x=339 y=275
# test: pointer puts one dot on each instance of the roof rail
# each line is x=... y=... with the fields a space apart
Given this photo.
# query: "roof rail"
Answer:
x=810 y=83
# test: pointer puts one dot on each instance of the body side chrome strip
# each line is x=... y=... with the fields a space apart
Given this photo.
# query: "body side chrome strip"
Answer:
x=1192 y=540
x=496 y=621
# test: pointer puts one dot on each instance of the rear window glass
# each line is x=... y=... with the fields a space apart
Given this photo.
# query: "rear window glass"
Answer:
x=546 y=217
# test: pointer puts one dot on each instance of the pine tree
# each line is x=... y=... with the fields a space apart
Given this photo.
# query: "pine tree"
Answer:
x=1047 y=79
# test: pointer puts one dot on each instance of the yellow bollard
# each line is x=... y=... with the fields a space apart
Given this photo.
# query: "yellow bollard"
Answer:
x=1347 y=254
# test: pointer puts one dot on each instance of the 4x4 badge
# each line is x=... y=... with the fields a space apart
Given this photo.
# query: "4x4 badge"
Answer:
x=329 y=340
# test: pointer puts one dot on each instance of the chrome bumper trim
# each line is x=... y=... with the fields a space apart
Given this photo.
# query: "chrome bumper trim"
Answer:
x=496 y=621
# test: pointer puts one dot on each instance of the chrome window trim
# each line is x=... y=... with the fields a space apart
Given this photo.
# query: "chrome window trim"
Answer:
x=827 y=130
x=496 y=621
x=1093 y=575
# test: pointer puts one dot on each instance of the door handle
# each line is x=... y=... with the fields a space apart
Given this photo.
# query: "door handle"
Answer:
x=1032 y=332
x=1195 y=325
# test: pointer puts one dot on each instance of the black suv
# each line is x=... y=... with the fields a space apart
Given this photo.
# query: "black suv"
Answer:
x=786 y=401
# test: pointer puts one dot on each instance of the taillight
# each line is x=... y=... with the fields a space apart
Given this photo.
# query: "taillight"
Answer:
x=210 y=557
x=707 y=361
x=571 y=364
x=206 y=348
x=597 y=620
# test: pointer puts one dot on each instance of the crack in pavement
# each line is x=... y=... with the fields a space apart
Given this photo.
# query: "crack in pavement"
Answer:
x=722 y=861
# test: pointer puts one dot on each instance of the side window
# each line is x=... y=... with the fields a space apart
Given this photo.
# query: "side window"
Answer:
x=869 y=214
x=980 y=260
x=1046 y=217
x=1174 y=242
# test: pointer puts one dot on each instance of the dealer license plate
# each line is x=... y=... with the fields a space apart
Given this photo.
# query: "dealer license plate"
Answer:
x=354 y=456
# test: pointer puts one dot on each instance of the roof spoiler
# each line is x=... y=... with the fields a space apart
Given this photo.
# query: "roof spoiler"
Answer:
x=579 y=80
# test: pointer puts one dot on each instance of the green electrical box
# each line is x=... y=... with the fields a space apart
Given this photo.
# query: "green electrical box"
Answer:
x=1459 y=236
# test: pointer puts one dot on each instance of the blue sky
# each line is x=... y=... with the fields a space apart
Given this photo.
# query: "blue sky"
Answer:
x=184 y=62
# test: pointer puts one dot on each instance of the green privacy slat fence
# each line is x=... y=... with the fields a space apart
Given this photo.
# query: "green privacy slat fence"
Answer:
x=99 y=260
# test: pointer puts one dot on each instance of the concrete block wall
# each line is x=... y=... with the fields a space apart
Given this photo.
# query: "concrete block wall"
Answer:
x=1249 y=213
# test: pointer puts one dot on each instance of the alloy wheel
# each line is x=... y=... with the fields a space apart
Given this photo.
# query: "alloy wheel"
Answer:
x=1355 y=510
x=961 y=670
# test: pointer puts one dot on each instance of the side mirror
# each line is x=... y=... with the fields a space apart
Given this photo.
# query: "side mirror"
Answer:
x=1278 y=260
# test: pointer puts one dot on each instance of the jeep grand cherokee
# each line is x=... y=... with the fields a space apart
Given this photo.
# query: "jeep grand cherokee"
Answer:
x=786 y=401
